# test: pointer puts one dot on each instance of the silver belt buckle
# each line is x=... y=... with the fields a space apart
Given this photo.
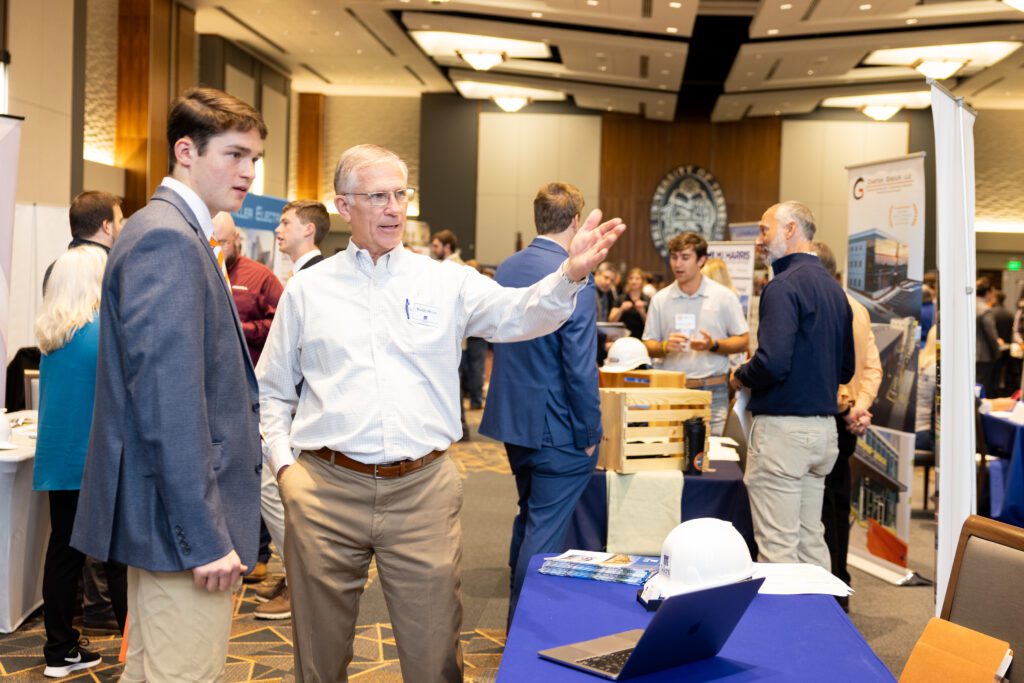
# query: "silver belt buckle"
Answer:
x=375 y=475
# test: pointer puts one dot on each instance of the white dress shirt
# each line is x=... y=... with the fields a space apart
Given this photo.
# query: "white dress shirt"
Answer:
x=201 y=211
x=378 y=346
x=304 y=259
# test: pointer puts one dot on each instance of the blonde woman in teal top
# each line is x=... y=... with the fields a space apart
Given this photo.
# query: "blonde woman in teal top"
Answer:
x=68 y=333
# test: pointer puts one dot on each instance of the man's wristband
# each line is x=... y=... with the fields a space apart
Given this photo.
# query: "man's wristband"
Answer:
x=714 y=347
x=664 y=348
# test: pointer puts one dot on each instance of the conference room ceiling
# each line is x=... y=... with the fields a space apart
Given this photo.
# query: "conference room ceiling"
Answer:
x=661 y=59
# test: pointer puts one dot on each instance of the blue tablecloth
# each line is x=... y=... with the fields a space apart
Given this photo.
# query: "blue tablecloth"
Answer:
x=718 y=494
x=1004 y=437
x=780 y=638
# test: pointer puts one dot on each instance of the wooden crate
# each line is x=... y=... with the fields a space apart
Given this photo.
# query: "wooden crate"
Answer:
x=648 y=379
x=628 y=415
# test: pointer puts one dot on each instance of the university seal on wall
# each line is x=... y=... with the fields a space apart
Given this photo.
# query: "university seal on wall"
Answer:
x=688 y=198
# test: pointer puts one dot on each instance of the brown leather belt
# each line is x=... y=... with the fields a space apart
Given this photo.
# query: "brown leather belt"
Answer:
x=706 y=382
x=386 y=471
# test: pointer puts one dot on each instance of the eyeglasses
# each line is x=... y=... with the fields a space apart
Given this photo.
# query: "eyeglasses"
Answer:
x=382 y=198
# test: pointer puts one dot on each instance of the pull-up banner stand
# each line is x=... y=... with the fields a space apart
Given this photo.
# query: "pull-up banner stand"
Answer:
x=10 y=149
x=885 y=263
x=954 y=209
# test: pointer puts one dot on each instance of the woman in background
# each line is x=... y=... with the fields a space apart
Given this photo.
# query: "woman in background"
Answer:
x=631 y=308
x=68 y=333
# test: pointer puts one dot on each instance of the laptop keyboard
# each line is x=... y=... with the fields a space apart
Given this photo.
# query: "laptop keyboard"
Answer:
x=611 y=662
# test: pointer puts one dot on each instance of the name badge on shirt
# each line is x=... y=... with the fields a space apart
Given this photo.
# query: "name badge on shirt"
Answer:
x=686 y=323
x=422 y=314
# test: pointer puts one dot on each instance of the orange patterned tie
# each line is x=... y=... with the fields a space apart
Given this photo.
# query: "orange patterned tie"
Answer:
x=215 y=245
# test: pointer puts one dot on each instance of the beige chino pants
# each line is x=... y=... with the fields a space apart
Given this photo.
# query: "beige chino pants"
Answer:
x=336 y=520
x=176 y=632
x=788 y=458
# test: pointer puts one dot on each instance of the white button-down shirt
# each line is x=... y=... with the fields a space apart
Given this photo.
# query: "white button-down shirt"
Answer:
x=377 y=347
x=304 y=259
x=713 y=307
x=201 y=211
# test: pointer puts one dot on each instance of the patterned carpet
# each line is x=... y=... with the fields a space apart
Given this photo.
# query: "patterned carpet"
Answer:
x=262 y=650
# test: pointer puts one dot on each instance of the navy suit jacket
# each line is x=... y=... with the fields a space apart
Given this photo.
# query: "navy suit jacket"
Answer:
x=544 y=392
x=172 y=476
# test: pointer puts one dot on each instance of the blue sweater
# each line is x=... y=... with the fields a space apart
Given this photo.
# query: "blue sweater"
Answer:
x=805 y=341
x=67 y=386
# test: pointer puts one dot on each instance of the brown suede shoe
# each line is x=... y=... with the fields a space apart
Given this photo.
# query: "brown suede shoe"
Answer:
x=278 y=608
x=269 y=590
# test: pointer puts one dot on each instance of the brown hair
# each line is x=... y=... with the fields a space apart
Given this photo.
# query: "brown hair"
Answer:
x=89 y=210
x=827 y=258
x=202 y=113
x=447 y=238
x=685 y=240
x=554 y=207
x=310 y=211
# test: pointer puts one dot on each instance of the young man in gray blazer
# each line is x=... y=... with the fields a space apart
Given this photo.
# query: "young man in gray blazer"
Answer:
x=172 y=477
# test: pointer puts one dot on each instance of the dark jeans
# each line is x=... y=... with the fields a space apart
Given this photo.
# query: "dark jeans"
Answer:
x=550 y=481
x=835 y=507
x=61 y=574
x=471 y=370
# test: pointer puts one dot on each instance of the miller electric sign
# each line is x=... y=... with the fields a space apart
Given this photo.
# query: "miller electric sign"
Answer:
x=687 y=199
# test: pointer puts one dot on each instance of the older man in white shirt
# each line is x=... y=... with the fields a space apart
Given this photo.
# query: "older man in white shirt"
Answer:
x=375 y=336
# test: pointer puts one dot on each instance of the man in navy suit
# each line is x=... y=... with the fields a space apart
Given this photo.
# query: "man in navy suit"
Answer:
x=543 y=400
x=172 y=476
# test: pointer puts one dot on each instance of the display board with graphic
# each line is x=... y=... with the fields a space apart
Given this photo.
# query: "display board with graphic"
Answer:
x=687 y=199
x=739 y=260
x=884 y=268
x=257 y=218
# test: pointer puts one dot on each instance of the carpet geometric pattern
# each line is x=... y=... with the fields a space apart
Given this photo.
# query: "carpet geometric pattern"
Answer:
x=262 y=650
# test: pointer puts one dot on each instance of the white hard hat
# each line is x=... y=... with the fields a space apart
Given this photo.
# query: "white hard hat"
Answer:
x=698 y=554
x=626 y=354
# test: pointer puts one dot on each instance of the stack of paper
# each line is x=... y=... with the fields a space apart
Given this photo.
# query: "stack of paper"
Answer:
x=584 y=564
x=723 y=448
x=798 y=579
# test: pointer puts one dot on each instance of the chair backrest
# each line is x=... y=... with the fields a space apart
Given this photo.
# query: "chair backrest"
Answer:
x=31 y=390
x=734 y=430
x=985 y=592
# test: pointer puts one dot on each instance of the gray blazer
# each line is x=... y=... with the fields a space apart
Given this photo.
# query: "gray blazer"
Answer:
x=172 y=477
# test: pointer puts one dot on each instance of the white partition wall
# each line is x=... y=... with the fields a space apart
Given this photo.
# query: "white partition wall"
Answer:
x=815 y=155
x=516 y=154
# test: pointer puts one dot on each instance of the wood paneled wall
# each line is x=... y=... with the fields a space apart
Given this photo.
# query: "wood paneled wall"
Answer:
x=147 y=70
x=310 y=147
x=636 y=154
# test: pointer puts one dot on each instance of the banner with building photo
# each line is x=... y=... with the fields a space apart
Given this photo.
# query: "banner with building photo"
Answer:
x=885 y=264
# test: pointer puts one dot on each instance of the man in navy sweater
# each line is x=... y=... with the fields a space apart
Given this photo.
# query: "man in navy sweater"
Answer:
x=805 y=351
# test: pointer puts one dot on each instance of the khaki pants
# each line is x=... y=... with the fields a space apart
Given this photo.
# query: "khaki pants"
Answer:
x=788 y=457
x=336 y=520
x=176 y=632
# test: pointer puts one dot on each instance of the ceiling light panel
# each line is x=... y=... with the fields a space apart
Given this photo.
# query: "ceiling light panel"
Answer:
x=844 y=60
x=735 y=107
x=479 y=90
x=842 y=16
x=920 y=99
x=628 y=61
x=654 y=105
x=448 y=43
x=975 y=55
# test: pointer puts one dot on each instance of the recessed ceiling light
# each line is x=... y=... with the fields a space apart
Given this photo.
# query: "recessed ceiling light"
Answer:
x=602 y=67
x=777 y=112
x=672 y=29
x=482 y=60
x=664 y=72
x=337 y=33
x=668 y=54
x=593 y=3
x=880 y=112
x=911 y=22
x=772 y=32
x=610 y=108
x=865 y=7
x=359 y=52
x=810 y=72
x=786 y=6
x=511 y=105
x=675 y=5
x=536 y=15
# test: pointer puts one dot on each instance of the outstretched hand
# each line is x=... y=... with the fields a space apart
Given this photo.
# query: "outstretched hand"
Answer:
x=590 y=245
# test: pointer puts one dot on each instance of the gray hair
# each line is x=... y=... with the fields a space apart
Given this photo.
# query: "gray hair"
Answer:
x=355 y=159
x=798 y=213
